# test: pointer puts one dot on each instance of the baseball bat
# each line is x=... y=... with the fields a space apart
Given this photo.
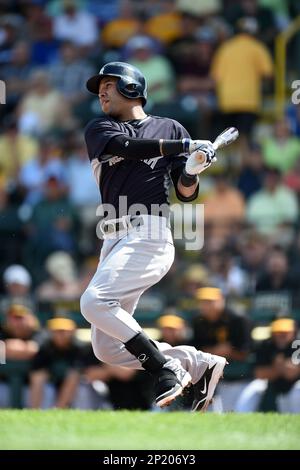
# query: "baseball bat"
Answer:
x=226 y=137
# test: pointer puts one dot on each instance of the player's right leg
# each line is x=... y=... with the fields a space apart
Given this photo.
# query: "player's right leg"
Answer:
x=130 y=267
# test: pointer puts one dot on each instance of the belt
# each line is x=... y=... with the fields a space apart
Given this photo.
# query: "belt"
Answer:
x=116 y=225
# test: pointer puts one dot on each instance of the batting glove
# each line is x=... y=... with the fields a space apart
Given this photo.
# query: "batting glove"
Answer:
x=190 y=146
x=201 y=159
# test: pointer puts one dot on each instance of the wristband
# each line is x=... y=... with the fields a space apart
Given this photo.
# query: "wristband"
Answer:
x=186 y=145
x=188 y=180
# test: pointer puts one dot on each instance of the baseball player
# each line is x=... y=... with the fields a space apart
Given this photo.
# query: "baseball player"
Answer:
x=136 y=156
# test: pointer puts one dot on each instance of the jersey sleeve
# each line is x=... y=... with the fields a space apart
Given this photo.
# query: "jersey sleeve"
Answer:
x=97 y=135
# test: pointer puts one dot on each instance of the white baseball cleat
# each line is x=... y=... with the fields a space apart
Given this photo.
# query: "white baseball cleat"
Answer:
x=205 y=387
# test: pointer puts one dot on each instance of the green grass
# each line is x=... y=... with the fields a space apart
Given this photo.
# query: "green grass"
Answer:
x=58 y=429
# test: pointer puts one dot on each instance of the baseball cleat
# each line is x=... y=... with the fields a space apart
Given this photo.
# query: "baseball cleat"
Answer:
x=205 y=387
x=170 y=381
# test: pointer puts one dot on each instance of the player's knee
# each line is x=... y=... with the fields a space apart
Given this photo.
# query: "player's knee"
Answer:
x=88 y=302
x=92 y=303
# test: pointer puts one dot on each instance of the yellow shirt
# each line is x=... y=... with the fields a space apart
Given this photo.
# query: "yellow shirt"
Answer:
x=117 y=32
x=165 y=27
x=237 y=68
x=23 y=147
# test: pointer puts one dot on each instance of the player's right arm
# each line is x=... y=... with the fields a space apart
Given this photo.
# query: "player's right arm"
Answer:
x=103 y=139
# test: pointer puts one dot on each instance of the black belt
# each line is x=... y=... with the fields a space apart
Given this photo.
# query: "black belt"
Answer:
x=112 y=226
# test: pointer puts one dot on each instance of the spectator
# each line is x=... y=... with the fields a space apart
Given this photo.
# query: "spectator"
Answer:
x=250 y=179
x=273 y=207
x=52 y=226
x=55 y=373
x=265 y=17
x=253 y=248
x=15 y=149
x=17 y=283
x=283 y=149
x=35 y=172
x=42 y=108
x=69 y=74
x=66 y=26
x=11 y=229
x=219 y=330
x=117 y=32
x=16 y=74
x=193 y=277
x=63 y=283
x=277 y=275
x=20 y=335
x=275 y=373
x=225 y=273
x=141 y=52
x=238 y=68
x=172 y=328
x=224 y=209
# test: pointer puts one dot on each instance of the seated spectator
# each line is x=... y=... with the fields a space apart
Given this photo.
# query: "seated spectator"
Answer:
x=16 y=74
x=11 y=229
x=63 y=283
x=193 y=68
x=250 y=179
x=52 y=225
x=141 y=51
x=19 y=332
x=44 y=163
x=75 y=25
x=172 y=328
x=253 y=249
x=224 y=209
x=193 y=277
x=277 y=275
x=225 y=273
x=69 y=74
x=282 y=150
x=15 y=149
x=165 y=25
x=55 y=372
x=275 y=372
x=219 y=330
x=274 y=206
x=17 y=283
x=42 y=108
x=117 y=32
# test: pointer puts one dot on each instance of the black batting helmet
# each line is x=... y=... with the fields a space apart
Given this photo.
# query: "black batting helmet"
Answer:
x=131 y=83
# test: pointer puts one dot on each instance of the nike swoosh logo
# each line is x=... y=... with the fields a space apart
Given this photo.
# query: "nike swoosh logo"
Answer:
x=205 y=387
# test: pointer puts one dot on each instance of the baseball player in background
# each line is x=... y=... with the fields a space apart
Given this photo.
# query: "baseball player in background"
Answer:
x=137 y=156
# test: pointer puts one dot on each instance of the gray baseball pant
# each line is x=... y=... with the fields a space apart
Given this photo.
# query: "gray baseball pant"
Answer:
x=129 y=265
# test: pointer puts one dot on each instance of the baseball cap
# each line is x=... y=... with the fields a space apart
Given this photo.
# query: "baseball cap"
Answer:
x=17 y=274
x=283 y=325
x=170 y=321
x=195 y=273
x=209 y=293
x=61 y=324
x=18 y=310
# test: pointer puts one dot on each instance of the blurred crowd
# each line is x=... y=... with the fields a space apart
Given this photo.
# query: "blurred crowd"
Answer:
x=209 y=64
